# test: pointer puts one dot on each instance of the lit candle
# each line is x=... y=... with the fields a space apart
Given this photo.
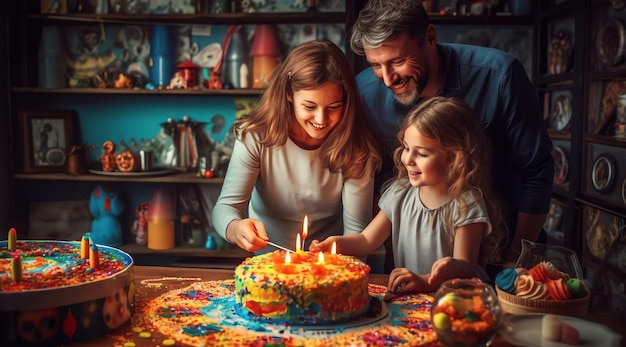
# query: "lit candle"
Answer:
x=16 y=267
x=94 y=257
x=333 y=248
x=84 y=247
x=305 y=230
x=287 y=258
x=318 y=268
x=298 y=244
x=12 y=240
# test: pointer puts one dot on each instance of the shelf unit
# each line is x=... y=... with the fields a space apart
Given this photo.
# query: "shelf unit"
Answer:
x=560 y=38
x=25 y=25
x=589 y=202
x=602 y=197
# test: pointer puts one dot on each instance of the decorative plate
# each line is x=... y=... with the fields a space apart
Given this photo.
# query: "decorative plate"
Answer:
x=561 y=165
x=155 y=172
x=525 y=330
x=611 y=42
x=603 y=173
x=561 y=112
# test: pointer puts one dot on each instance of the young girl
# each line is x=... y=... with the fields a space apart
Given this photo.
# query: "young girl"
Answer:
x=440 y=211
x=301 y=152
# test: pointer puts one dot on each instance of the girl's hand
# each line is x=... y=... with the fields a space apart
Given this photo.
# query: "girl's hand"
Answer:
x=315 y=246
x=403 y=280
x=323 y=246
x=248 y=234
x=447 y=268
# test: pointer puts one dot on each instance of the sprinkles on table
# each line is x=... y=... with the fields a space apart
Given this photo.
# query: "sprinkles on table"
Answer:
x=203 y=314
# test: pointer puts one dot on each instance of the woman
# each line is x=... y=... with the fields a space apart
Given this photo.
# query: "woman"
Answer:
x=302 y=152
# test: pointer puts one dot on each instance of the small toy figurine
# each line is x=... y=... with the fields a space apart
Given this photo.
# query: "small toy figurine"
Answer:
x=108 y=157
x=140 y=225
x=105 y=205
x=122 y=81
x=561 y=49
x=178 y=81
x=127 y=161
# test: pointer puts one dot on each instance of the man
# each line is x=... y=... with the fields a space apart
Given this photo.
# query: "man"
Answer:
x=408 y=65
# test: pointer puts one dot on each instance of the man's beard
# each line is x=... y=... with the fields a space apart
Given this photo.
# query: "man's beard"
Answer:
x=410 y=97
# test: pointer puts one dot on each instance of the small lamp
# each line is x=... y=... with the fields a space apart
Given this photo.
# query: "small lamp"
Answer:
x=265 y=55
x=189 y=71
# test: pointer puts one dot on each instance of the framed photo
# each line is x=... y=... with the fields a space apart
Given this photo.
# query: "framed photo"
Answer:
x=47 y=136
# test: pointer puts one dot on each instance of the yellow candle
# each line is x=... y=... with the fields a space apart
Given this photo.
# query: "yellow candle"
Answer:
x=298 y=244
x=161 y=234
x=12 y=240
x=94 y=257
x=84 y=247
x=16 y=267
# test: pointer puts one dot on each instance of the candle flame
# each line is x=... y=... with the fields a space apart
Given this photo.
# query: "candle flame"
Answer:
x=287 y=258
x=333 y=248
x=298 y=243
x=320 y=257
x=305 y=228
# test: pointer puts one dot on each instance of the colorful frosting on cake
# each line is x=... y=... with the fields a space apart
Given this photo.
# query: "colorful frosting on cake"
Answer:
x=53 y=264
x=304 y=291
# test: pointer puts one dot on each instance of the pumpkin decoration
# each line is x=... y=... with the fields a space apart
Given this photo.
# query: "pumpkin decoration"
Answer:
x=127 y=161
x=107 y=159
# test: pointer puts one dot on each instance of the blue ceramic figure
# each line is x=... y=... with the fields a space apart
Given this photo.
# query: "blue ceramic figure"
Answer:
x=105 y=205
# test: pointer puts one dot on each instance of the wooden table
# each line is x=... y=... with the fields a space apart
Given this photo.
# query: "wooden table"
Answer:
x=151 y=281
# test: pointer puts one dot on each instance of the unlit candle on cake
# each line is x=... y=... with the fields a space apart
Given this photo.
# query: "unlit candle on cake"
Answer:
x=12 y=239
x=94 y=257
x=84 y=247
x=16 y=267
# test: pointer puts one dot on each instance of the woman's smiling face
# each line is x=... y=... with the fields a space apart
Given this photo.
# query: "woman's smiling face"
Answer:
x=316 y=112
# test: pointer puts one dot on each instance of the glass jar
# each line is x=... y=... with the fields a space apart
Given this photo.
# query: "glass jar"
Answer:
x=562 y=258
x=466 y=312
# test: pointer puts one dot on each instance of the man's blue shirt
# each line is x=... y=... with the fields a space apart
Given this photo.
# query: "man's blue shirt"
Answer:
x=497 y=87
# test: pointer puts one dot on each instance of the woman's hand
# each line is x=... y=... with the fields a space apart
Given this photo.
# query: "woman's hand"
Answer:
x=248 y=234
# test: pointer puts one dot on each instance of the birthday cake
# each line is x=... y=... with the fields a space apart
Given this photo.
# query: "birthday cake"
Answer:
x=301 y=288
x=51 y=294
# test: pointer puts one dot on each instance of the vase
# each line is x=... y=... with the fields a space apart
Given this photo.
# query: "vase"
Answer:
x=465 y=313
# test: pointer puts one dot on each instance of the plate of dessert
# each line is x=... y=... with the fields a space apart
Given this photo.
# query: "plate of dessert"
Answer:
x=548 y=330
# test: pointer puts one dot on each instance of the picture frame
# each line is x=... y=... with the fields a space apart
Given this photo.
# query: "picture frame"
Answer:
x=47 y=136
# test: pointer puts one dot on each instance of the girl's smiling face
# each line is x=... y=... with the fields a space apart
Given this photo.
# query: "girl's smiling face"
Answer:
x=317 y=111
x=426 y=162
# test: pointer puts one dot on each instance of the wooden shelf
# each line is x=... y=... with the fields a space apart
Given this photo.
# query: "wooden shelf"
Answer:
x=184 y=177
x=138 y=91
x=198 y=19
